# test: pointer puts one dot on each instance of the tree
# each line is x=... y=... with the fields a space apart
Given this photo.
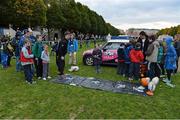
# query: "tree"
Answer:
x=23 y=12
x=7 y=12
x=72 y=15
x=84 y=18
x=30 y=12
x=55 y=18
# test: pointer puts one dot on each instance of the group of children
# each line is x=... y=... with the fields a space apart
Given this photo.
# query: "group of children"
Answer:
x=134 y=63
x=35 y=55
x=130 y=56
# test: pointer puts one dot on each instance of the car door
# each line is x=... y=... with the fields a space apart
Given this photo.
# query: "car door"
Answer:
x=109 y=54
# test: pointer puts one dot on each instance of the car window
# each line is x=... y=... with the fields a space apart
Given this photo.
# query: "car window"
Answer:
x=112 y=46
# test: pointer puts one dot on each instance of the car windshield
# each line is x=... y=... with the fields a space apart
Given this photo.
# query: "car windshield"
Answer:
x=112 y=46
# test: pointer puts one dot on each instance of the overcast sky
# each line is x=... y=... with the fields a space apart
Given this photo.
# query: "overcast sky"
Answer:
x=125 y=14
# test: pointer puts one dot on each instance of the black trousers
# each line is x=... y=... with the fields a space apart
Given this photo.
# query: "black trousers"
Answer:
x=60 y=64
x=169 y=72
x=39 y=67
x=28 y=72
x=9 y=61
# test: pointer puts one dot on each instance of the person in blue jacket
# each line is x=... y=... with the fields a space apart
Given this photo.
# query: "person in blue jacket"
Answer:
x=170 y=60
x=128 y=48
x=15 y=44
x=72 y=49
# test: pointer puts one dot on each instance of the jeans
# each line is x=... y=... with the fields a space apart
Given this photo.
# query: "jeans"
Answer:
x=98 y=68
x=134 y=70
x=127 y=65
x=4 y=58
x=18 y=64
x=45 y=70
x=121 y=68
x=28 y=72
x=154 y=70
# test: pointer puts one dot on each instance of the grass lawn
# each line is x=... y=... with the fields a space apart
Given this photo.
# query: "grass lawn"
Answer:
x=46 y=100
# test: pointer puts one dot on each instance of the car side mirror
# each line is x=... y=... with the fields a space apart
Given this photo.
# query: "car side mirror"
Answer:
x=104 y=49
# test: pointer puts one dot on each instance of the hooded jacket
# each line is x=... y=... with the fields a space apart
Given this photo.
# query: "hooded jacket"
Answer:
x=171 y=56
x=136 y=56
x=72 y=46
x=37 y=49
x=152 y=52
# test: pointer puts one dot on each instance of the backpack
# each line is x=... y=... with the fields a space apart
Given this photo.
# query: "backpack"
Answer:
x=160 y=55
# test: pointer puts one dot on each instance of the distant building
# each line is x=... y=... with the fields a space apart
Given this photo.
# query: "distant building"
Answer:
x=135 y=32
x=7 y=31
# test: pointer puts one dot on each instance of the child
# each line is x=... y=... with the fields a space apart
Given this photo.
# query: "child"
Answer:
x=26 y=58
x=128 y=48
x=45 y=61
x=170 y=60
x=121 y=57
x=136 y=56
x=97 y=55
x=37 y=50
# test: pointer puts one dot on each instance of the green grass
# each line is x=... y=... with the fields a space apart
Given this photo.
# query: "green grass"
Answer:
x=50 y=100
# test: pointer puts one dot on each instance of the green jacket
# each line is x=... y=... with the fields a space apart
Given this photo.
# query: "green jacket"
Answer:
x=37 y=49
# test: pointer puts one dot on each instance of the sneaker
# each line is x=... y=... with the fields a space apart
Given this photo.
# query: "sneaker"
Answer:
x=34 y=82
x=170 y=85
x=130 y=79
x=44 y=78
x=39 y=78
x=29 y=83
x=49 y=77
x=162 y=76
x=62 y=77
x=166 y=80
x=141 y=87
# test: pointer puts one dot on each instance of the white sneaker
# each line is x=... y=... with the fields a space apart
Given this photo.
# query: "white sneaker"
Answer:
x=44 y=78
x=39 y=78
x=34 y=82
x=49 y=77
x=141 y=88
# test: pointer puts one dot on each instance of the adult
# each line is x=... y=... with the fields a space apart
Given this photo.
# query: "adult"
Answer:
x=177 y=47
x=17 y=50
x=87 y=39
x=37 y=50
x=72 y=49
x=154 y=69
x=143 y=40
x=10 y=51
x=4 y=51
x=24 y=37
x=61 y=52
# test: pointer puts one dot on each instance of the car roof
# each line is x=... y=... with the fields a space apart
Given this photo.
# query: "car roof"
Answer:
x=119 y=41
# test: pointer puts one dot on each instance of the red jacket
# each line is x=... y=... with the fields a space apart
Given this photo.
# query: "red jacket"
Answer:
x=23 y=59
x=136 y=56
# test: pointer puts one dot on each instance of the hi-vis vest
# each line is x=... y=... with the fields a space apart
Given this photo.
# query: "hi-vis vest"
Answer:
x=23 y=59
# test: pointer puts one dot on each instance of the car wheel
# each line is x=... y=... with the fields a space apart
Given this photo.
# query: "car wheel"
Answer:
x=89 y=60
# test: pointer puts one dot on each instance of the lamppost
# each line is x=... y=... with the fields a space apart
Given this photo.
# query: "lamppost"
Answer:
x=48 y=6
